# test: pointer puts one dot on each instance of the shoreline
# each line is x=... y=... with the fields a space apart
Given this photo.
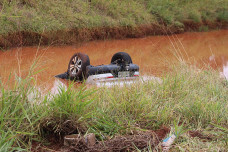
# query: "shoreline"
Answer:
x=77 y=35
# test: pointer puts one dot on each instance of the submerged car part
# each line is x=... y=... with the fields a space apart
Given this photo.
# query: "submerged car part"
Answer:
x=77 y=66
x=121 y=67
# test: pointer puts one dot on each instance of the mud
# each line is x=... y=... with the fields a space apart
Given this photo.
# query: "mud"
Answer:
x=141 y=140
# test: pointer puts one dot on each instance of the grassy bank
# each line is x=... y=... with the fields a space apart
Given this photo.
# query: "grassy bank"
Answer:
x=195 y=99
x=24 y=22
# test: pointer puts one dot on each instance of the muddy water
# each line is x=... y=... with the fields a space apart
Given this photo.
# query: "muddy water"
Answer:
x=153 y=54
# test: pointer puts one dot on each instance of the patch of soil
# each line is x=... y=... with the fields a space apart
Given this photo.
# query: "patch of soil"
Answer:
x=60 y=128
x=161 y=133
x=51 y=147
x=126 y=143
x=200 y=135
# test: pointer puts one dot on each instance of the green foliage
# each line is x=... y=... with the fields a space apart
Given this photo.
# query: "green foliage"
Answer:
x=19 y=118
x=203 y=28
x=50 y=15
x=197 y=11
x=69 y=105
x=7 y=142
x=223 y=15
x=198 y=98
x=195 y=98
x=68 y=102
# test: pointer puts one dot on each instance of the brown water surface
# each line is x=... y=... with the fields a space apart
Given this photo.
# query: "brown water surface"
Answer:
x=153 y=54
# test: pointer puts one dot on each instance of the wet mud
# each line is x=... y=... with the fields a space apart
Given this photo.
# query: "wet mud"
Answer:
x=153 y=54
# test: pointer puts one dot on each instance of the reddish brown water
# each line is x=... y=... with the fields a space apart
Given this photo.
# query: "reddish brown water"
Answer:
x=153 y=54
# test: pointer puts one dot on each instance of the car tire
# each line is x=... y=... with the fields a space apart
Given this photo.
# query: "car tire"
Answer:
x=121 y=57
x=77 y=66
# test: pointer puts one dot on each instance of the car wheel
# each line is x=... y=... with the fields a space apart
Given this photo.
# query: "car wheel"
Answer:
x=77 y=66
x=121 y=57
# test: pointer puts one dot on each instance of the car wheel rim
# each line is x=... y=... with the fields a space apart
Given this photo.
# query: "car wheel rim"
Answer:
x=76 y=65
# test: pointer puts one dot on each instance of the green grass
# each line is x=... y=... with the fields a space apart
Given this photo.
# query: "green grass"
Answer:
x=197 y=99
x=51 y=22
x=49 y=15
x=18 y=116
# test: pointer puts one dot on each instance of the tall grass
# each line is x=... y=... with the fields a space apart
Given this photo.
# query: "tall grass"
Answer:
x=68 y=111
x=19 y=118
x=197 y=98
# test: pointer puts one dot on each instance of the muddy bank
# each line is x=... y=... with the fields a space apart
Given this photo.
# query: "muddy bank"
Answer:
x=74 y=36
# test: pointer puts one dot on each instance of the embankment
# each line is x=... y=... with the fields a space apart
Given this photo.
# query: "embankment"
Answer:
x=30 y=22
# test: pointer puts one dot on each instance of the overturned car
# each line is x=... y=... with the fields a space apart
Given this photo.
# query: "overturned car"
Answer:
x=121 y=67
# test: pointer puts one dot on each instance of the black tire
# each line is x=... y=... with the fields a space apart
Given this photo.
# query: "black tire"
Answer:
x=121 y=57
x=77 y=66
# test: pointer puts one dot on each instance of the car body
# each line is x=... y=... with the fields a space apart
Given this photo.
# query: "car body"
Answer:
x=120 y=68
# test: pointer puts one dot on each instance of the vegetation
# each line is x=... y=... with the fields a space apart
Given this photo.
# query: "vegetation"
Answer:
x=196 y=99
x=63 y=21
x=49 y=15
